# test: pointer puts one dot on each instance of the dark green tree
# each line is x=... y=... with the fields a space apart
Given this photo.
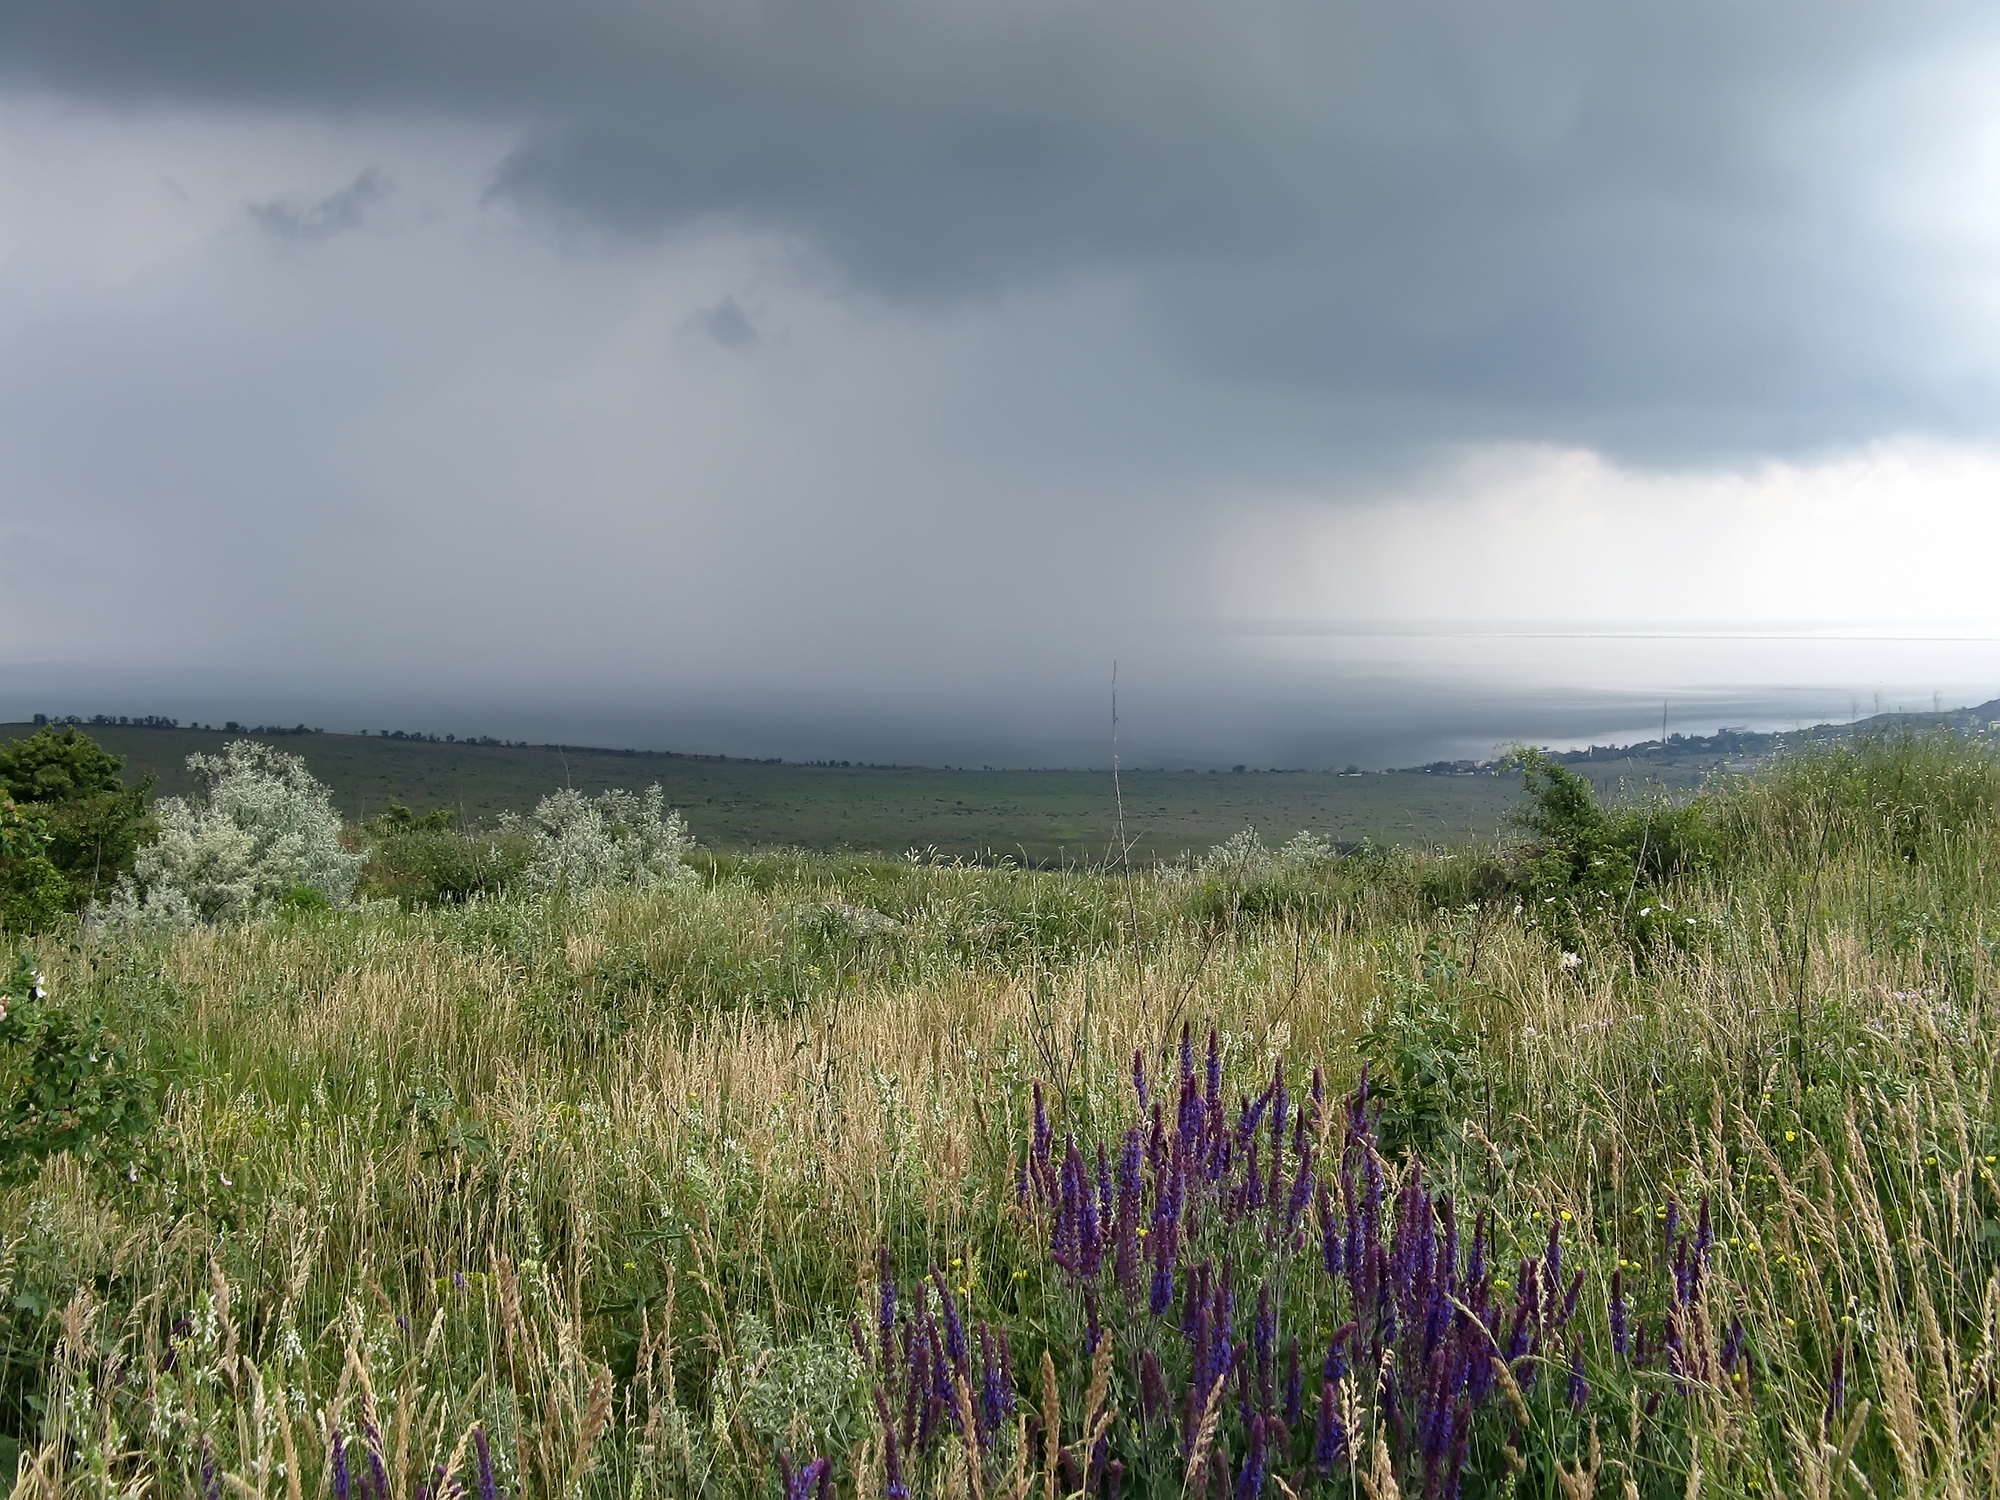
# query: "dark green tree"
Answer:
x=93 y=824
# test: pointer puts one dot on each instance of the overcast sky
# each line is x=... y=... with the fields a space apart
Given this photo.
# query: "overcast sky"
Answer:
x=863 y=377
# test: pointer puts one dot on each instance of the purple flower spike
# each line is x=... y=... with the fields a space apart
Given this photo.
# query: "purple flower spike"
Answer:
x=954 y=1330
x=1139 y=1077
x=342 y=1481
x=487 y=1489
x=1251 y=1481
x=1330 y=1436
x=1213 y=1081
x=1154 y=1403
x=885 y=1306
x=808 y=1482
x=1579 y=1392
x=1552 y=1263
x=1620 y=1335
x=1732 y=1346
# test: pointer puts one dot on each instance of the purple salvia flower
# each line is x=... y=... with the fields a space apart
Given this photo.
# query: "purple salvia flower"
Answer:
x=1131 y=1175
x=1295 y=1392
x=1335 y=1367
x=1107 y=1199
x=1156 y=1149
x=1461 y=1433
x=1251 y=1481
x=1281 y=1108
x=992 y=1393
x=1154 y=1402
x=1519 y=1339
x=954 y=1330
x=1252 y=1188
x=488 y=1490
x=1620 y=1338
x=1672 y=1228
x=1295 y=1207
x=1194 y=1305
x=1447 y=1265
x=1139 y=1077
x=1213 y=1080
x=916 y=1398
x=894 y=1486
x=378 y=1473
x=342 y=1482
x=1161 y=1294
x=1568 y=1308
x=1552 y=1263
x=1187 y=1052
x=1579 y=1392
x=458 y=1281
x=1044 y=1141
x=1670 y=1340
x=1330 y=1436
x=1188 y=1123
x=211 y=1478
x=1264 y=1337
x=1329 y=1234
x=1732 y=1346
x=1319 y=1090
x=808 y=1482
x=885 y=1307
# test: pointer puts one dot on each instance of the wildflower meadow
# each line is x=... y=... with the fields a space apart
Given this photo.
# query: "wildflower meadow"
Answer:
x=1650 y=1153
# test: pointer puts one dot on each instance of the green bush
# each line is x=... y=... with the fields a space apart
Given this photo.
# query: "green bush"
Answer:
x=33 y=892
x=423 y=861
x=94 y=823
x=76 y=1084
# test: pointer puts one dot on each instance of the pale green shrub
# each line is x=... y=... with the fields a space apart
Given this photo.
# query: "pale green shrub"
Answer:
x=581 y=843
x=265 y=834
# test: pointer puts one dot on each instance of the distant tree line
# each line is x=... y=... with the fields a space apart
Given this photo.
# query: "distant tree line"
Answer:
x=161 y=721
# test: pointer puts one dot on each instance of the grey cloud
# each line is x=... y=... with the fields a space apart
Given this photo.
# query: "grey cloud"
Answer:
x=728 y=324
x=301 y=220
x=1638 y=227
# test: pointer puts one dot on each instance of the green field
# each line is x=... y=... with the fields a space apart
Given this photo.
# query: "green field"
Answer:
x=1042 y=816
x=1652 y=1159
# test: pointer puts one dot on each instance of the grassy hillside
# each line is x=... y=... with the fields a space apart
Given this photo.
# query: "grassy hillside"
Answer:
x=1044 y=815
x=1674 y=1175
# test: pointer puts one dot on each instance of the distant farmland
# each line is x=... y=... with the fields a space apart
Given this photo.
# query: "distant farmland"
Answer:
x=1043 y=816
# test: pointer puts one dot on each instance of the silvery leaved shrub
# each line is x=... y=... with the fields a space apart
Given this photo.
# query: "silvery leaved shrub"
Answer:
x=264 y=836
x=581 y=843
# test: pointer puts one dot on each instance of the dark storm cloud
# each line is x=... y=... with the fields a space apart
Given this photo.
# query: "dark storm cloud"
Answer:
x=1638 y=226
x=303 y=220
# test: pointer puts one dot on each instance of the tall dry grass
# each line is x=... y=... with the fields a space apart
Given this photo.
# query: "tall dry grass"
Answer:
x=598 y=1182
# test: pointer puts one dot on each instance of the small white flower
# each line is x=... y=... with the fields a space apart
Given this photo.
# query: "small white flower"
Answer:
x=1571 y=961
x=1645 y=911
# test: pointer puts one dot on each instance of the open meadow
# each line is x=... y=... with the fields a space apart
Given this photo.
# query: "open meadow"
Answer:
x=1650 y=1154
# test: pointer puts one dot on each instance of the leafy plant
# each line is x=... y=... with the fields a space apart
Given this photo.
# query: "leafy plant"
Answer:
x=1423 y=1058
x=33 y=892
x=94 y=823
x=421 y=860
x=78 y=1087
